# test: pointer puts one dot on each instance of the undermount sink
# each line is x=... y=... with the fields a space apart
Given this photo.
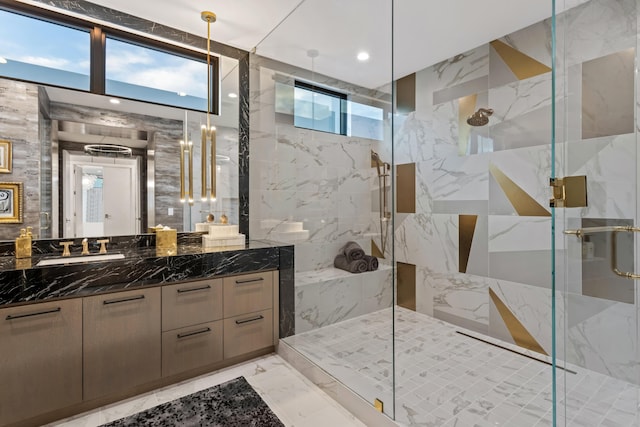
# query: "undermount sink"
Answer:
x=76 y=259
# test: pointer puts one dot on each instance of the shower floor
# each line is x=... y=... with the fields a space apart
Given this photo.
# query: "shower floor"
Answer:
x=444 y=378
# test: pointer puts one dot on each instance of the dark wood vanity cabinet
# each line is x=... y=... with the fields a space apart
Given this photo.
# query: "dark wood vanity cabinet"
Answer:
x=121 y=340
x=67 y=355
x=191 y=325
x=248 y=313
x=40 y=358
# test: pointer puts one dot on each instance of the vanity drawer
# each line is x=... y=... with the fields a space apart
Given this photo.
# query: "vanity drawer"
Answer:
x=248 y=293
x=40 y=358
x=121 y=341
x=191 y=303
x=191 y=347
x=247 y=333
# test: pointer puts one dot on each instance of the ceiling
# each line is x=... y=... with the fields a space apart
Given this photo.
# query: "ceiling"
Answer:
x=424 y=32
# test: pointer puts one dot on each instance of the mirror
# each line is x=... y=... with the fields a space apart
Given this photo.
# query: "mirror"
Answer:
x=72 y=193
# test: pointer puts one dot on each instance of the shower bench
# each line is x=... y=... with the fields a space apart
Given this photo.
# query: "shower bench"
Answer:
x=330 y=295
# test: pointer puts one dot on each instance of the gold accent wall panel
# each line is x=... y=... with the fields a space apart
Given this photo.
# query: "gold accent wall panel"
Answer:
x=522 y=65
x=406 y=188
x=406 y=292
x=406 y=94
x=523 y=203
x=518 y=332
x=466 y=230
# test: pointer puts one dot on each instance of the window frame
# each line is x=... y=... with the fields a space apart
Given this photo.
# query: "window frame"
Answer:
x=97 y=50
x=328 y=92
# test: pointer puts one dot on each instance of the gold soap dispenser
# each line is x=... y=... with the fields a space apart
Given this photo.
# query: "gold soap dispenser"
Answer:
x=23 y=243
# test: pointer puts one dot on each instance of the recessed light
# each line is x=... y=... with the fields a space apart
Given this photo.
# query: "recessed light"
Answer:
x=363 y=56
x=3 y=60
x=182 y=94
x=233 y=95
x=114 y=101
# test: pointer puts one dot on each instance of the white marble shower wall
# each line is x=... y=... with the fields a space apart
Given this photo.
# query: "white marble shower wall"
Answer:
x=510 y=257
x=318 y=181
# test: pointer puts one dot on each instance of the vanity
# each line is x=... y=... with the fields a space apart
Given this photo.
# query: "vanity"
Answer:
x=81 y=335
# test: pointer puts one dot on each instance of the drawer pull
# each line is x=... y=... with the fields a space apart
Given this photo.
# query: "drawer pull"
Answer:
x=242 y=282
x=189 y=334
x=199 y=288
x=116 y=301
x=253 y=319
x=37 y=313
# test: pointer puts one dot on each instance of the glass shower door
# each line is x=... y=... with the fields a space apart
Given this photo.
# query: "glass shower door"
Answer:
x=596 y=246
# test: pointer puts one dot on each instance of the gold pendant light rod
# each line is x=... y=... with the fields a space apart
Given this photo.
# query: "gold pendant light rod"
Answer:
x=209 y=132
x=190 y=146
x=182 y=195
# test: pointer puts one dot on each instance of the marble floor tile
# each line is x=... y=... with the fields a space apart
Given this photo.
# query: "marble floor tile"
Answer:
x=441 y=377
x=293 y=398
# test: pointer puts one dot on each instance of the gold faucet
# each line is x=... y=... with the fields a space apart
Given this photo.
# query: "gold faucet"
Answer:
x=66 y=245
x=103 y=245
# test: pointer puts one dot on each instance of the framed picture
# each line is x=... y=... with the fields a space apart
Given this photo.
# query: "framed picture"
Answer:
x=11 y=202
x=5 y=156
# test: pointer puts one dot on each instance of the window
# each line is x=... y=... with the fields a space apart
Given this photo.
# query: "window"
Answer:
x=42 y=46
x=44 y=52
x=147 y=74
x=319 y=109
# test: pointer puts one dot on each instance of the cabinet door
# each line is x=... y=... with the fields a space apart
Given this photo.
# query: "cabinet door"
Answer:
x=191 y=303
x=247 y=333
x=248 y=293
x=191 y=347
x=122 y=341
x=40 y=358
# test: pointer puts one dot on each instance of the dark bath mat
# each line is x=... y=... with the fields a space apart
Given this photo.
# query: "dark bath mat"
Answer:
x=230 y=404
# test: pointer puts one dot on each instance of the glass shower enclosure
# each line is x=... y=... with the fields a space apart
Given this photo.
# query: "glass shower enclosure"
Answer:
x=490 y=304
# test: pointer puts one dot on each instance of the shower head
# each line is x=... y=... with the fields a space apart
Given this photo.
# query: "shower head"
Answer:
x=480 y=117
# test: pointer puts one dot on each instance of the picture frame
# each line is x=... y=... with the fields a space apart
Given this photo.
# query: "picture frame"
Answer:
x=11 y=200
x=6 y=157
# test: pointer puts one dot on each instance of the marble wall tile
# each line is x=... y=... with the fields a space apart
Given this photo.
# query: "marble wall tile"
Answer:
x=327 y=177
x=608 y=163
x=424 y=291
x=430 y=241
x=19 y=125
x=512 y=100
x=606 y=342
x=597 y=28
x=461 y=295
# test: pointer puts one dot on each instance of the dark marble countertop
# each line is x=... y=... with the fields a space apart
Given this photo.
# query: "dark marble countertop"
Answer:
x=21 y=281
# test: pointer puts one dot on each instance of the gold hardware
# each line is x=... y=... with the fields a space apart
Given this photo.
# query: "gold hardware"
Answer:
x=378 y=405
x=614 y=229
x=224 y=219
x=66 y=245
x=190 y=144
x=208 y=132
x=85 y=247
x=103 y=245
x=182 y=195
x=166 y=240
x=23 y=244
x=569 y=192
x=614 y=252
x=22 y=264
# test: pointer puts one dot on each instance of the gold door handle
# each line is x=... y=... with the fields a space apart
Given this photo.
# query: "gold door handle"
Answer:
x=614 y=230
